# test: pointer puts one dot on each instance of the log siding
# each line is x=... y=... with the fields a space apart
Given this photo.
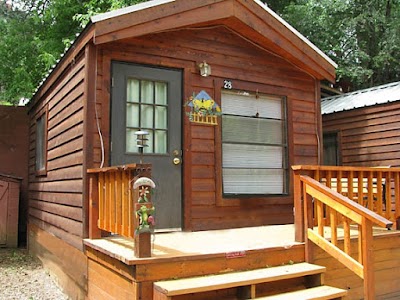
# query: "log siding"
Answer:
x=369 y=136
x=228 y=54
x=55 y=199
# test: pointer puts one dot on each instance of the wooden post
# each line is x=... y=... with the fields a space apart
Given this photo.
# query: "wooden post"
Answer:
x=368 y=261
x=298 y=209
x=143 y=245
x=94 y=231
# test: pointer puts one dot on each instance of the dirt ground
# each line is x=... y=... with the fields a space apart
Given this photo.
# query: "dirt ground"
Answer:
x=22 y=277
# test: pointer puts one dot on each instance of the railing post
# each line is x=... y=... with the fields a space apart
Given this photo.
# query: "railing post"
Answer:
x=368 y=260
x=94 y=231
x=298 y=209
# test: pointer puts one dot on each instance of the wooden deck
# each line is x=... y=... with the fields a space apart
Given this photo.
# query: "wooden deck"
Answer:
x=214 y=242
x=228 y=242
x=115 y=273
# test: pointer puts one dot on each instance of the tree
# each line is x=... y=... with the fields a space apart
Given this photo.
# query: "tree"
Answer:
x=33 y=35
x=361 y=36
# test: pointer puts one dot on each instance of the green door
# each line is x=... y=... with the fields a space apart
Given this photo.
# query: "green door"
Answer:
x=150 y=99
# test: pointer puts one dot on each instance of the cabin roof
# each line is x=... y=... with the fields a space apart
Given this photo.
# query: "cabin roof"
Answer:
x=368 y=97
x=251 y=19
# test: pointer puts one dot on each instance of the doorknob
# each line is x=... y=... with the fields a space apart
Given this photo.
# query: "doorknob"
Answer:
x=176 y=161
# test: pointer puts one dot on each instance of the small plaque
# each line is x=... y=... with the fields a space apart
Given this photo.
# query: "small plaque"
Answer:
x=235 y=254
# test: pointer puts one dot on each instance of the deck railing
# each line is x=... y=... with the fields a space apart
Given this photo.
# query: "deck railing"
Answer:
x=351 y=201
x=111 y=199
x=318 y=205
x=377 y=189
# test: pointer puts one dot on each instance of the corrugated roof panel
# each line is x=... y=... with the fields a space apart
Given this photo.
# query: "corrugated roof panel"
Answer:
x=377 y=95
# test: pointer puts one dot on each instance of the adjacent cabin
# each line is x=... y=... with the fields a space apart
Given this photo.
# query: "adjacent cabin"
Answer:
x=14 y=128
x=229 y=94
x=362 y=128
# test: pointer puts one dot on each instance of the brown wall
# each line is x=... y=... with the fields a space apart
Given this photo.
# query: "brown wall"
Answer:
x=368 y=136
x=56 y=201
x=250 y=68
x=14 y=156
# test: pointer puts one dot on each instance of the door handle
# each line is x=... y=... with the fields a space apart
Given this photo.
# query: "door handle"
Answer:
x=176 y=161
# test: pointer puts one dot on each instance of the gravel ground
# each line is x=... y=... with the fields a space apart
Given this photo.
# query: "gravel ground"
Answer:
x=22 y=277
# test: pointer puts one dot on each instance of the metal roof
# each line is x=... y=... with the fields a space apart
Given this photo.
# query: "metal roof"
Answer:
x=128 y=9
x=377 y=95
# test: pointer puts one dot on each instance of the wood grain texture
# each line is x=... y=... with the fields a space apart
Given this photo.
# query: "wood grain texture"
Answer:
x=370 y=136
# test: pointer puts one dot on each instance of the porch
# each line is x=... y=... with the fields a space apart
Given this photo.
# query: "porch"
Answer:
x=360 y=250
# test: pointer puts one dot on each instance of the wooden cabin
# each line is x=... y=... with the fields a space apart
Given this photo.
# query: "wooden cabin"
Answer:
x=362 y=128
x=228 y=93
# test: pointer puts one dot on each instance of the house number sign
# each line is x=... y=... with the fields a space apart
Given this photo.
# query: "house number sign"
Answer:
x=228 y=84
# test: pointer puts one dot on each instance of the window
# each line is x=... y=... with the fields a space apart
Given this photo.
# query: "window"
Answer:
x=254 y=144
x=147 y=109
x=41 y=144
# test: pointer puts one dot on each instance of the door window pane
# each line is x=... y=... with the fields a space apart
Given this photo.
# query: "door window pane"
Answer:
x=161 y=117
x=132 y=93
x=130 y=139
x=146 y=117
x=150 y=142
x=161 y=93
x=132 y=115
x=147 y=95
x=160 y=142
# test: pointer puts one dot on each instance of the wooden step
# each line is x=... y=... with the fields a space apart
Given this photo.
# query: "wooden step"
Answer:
x=323 y=292
x=237 y=279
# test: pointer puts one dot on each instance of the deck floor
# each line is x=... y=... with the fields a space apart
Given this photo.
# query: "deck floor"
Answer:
x=213 y=242
x=178 y=244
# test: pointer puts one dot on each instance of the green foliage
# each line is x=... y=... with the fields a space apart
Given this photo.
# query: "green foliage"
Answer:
x=361 y=36
x=33 y=34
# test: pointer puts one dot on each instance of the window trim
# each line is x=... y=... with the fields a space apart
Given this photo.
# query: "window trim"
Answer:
x=254 y=199
x=43 y=114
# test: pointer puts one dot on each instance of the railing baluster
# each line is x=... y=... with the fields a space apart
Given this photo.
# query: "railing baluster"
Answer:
x=350 y=185
x=118 y=201
x=388 y=196
x=333 y=219
x=101 y=200
x=360 y=244
x=370 y=191
x=360 y=188
x=125 y=203
x=346 y=236
x=320 y=217
x=379 y=196
x=107 y=211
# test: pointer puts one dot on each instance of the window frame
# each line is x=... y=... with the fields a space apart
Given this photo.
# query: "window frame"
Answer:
x=43 y=170
x=255 y=199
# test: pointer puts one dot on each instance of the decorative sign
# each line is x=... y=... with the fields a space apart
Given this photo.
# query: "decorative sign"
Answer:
x=203 y=109
x=236 y=254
